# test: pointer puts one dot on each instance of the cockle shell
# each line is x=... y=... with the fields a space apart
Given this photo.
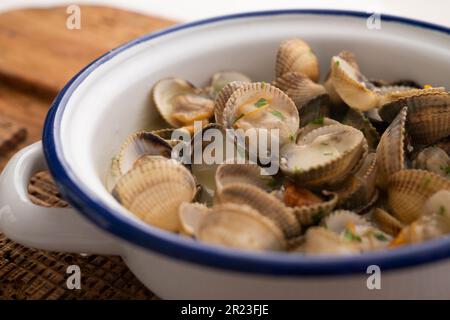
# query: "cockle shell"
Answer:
x=408 y=190
x=315 y=124
x=140 y=144
x=333 y=151
x=295 y=55
x=277 y=111
x=353 y=88
x=387 y=222
x=242 y=227
x=358 y=120
x=391 y=149
x=180 y=103
x=191 y=215
x=311 y=214
x=242 y=173
x=266 y=204
x=433 y=223
x=428 y=115
x=154 y=191
x=310 y=98
x=358 y=191
x=220 y=79
x=433 y=159
x=222 y=98
x=338 y=220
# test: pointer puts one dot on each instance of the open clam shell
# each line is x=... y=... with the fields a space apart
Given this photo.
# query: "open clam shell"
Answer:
x=408 y=190
x=358 y=120
x=295 y=55
x=154 y=191
x=358 y=191
x=180 y=103
x=191 y=215
x=139 y=144
x=325 y=156
x=433 y=159
x=353 y=88
x=262 y=106
x=220 y=79
x=222 y=98
x=314 y=124
x=242 y=227
x=310 y=98
x=386 y=222
x=428 y=115
x=311 y=214
x=242 y=173
x=391 y=149
x=266 y=204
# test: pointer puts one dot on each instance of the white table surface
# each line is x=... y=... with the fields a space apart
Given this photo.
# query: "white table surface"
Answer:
x=435 y=11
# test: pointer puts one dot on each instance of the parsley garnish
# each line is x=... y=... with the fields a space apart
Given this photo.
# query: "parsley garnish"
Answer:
x=278 y=114
x=441 y=211
x=261 y=102
x=380 y=236
x=328 y=153
x=337 y=63
x=297 y=169
x=350 y=236
x=291 y=137
x=272 y=183
x=263 y=84
x=317 y=121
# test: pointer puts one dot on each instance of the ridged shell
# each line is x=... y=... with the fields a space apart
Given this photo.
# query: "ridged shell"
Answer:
x=433 y=159
x=222 y=98
x=266 y=204
x=391 y=149
x=313 y=125
x=295 y=55
x=284 y=116
x=242 y=173
x=140 y=144
x=241 y=227
x=220 y=79
x=319 y=240
x=408 y=190
x=330 y=171
x=386 y=222
x=310 y=98
x=358 y=120
x=359 y=190
x=154 y=191
x=390 y=97
x=180 y=103
x=191 y=215
x=312 y=214
x=328 y=84
x=167 y=133
x=353 y=88
x=428 y=115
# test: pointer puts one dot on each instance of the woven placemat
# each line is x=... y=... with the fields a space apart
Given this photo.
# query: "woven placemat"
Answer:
x=35 y=274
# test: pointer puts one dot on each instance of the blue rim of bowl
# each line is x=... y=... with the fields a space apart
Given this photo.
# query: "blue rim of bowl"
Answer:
x=176 y=247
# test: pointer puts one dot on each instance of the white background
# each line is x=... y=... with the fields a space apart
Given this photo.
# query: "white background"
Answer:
x=436 y=11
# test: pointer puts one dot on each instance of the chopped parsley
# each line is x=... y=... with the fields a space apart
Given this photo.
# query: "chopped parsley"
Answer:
x=297 y=169
x=446 y=170
x=272 y=183
x=291 y=137
x=278 y=114
x=380 y=236
x=350 y=236
x=441 y=211
x=261 y=102
x=328 y=153
x=337 y=63
x=263 y=84
x=317 y=121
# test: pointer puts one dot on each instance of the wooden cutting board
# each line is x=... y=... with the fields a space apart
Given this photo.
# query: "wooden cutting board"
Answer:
x=38 y=55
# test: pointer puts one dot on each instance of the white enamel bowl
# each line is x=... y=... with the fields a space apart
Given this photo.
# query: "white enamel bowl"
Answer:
x=109 y=99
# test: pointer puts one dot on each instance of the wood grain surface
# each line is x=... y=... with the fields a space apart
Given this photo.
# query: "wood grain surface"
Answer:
x=38 y=55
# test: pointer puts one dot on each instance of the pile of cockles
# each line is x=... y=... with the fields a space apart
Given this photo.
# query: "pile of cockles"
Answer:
x=363 y=164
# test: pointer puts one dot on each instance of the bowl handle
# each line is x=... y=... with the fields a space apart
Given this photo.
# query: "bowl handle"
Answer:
x=55 y=229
